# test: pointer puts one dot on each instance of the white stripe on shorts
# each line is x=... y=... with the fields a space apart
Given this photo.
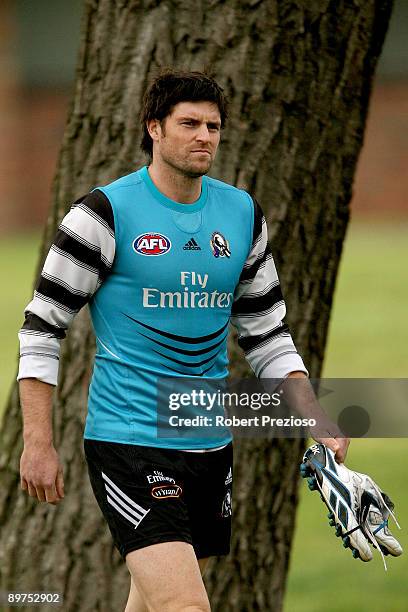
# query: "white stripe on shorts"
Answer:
x=121 y=506
x=136 y=513
x=119 y=509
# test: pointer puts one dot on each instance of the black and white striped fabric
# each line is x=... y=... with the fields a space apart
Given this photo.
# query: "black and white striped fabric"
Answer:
x=79 y=260
x=259 y=310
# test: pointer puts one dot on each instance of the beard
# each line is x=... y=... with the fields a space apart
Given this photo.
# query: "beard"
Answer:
x=188 y=167
x=194 y=173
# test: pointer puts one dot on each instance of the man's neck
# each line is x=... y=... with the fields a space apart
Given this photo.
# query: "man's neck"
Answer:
x=173 y=184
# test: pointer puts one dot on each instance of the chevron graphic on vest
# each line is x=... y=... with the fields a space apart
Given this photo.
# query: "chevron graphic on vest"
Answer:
x=191 y=245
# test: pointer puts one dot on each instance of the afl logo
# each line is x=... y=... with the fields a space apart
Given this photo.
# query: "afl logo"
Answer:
x=151 y=244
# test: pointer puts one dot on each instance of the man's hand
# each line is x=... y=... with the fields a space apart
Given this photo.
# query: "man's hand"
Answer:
x=41 y=473
x=328 y=433
x=302 y=397
x=338 y=445
x=40 y=469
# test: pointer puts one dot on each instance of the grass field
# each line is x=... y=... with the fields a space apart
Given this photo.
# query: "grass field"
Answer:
x=18 y=261
x=368 y=338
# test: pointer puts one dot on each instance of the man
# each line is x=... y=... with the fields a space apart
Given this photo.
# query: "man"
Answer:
x=164 y=256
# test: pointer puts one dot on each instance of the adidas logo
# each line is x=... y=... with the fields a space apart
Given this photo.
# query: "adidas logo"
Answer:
x=191 y=245
x=228 y=479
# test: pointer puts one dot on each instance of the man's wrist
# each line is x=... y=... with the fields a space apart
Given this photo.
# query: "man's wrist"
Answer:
x=34 y=439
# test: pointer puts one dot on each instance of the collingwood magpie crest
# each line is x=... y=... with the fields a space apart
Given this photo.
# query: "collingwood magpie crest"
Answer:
x=220 y=245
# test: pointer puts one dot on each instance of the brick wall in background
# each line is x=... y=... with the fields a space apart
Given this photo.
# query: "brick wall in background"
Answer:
x=31 y=128
x=32 y=125
x=42 y=128
x=381 y=184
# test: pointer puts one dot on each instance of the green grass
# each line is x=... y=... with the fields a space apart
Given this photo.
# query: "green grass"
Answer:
x=368 y=333
x=368 y=338
x=18 y=260
x=323 y=575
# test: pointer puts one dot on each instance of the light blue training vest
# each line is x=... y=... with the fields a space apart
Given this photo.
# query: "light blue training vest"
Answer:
x=164 y=309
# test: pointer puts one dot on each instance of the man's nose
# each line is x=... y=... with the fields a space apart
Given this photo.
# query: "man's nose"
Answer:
x=203 y=134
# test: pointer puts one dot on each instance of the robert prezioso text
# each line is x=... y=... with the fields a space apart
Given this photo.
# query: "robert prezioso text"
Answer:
x=234 y=421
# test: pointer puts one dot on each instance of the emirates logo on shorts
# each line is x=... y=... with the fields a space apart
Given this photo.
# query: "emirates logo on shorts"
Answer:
x=166 y=491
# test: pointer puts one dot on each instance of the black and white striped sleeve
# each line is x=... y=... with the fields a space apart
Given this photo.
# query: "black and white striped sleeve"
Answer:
x=79 y=260
x=258 y=311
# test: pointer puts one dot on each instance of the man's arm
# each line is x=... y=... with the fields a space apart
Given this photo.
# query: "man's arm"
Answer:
x=79 y=260
x=258 y=313
x=40 y=469
x=302 y=398
x=259 y=310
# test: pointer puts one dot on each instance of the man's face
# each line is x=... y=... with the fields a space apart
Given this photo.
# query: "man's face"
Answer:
x=187 y=139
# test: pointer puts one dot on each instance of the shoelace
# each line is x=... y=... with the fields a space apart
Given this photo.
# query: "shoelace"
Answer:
x=367 y=527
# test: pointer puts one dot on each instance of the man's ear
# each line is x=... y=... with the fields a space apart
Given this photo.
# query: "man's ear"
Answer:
x=154 y=129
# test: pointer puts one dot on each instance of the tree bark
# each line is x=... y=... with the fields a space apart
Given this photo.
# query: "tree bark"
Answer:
x=298 y=74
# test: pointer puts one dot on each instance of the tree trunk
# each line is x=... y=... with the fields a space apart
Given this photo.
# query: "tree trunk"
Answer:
x=299 y=75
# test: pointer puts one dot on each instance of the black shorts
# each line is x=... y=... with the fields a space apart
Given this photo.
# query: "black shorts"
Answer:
x=151 y=495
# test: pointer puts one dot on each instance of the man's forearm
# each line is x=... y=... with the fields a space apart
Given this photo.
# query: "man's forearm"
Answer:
x=301 y=397
x=36 y=404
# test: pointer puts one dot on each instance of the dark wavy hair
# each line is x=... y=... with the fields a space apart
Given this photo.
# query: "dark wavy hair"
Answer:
x=172 y=87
